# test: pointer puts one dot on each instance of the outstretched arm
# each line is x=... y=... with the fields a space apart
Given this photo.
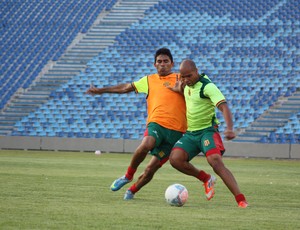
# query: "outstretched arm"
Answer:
x=122 y=88
x=229 y=133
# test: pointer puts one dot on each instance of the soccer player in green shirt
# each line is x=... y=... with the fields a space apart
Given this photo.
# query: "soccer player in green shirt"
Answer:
x=202 y=96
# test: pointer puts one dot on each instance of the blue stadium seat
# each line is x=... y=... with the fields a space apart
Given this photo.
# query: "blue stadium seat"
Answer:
x=34 y=42
x=250 y=50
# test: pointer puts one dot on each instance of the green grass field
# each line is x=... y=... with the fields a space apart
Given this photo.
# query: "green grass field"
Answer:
x=70 y=190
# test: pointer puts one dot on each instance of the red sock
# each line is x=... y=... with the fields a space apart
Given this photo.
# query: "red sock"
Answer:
x=203 y=176
x=240 y=197
x=133 y=189
x=130 y=173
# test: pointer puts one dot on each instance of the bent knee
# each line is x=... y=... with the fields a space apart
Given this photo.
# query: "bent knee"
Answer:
x=172 y=158
x=172 y=162
x=148 y=143
x=215 y=160
x=177 y=158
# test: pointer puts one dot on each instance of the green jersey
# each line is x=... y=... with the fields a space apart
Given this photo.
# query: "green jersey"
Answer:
x=201 y=100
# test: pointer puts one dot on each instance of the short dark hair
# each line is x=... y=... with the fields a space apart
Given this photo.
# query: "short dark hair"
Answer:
x=163 y=51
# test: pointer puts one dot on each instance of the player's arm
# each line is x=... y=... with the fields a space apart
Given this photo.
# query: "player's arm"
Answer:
x=216 y=96
x=122 y=88
x=229 y=133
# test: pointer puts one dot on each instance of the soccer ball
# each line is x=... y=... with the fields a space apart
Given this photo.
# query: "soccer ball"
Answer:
x=176 y=195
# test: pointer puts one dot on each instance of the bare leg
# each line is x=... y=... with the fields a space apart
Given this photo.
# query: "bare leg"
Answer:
x=179 y=160
x=148 y=173
x=141 y=152
x=139 y=155
x=216 y=162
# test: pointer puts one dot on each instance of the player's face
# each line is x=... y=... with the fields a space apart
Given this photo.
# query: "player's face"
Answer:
x=163 y=65
x=189 y=76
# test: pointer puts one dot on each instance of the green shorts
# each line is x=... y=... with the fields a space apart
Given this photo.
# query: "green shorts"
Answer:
x=164 y=140
x=208 y=141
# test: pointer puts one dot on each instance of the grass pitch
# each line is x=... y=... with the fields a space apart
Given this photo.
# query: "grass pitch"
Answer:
x=70 y=190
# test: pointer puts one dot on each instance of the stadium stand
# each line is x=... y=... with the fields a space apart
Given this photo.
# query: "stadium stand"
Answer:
x=249 y=48
x=34 y=32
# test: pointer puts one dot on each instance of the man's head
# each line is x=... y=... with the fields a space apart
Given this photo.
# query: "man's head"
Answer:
x=188 y=72
x=163 y=61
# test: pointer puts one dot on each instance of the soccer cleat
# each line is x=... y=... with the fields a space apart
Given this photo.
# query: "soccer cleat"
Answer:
x=243 y=204
x=209 y=187
x=119 y=183
x=128 y=195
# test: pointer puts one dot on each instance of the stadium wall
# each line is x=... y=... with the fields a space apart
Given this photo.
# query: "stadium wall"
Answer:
x=233 y=149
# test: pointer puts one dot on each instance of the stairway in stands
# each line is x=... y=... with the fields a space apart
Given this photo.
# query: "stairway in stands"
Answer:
x=107 y=26
x=277 y=116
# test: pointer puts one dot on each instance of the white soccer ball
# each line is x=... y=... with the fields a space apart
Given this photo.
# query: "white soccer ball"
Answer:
x=176 y=195
x=98 y=152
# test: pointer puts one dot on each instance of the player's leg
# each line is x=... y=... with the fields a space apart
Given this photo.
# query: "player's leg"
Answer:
x=213 y=152
x=179 y=159
x=215 y=160
x=165 y=139
x=145 y=177
x=138 y=157
x=185 y=150
x=150 y=140
x=148 y=143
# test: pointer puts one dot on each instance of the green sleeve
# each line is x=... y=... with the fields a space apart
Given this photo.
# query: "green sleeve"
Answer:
x=141 y=86
x=213 y=92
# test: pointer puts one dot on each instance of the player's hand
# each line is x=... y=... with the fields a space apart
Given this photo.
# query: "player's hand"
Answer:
x=229 y=134
x=178 y=87
x=92 y=90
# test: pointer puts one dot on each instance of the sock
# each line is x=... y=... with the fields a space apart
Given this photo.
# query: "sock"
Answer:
x=203 y=176
x=133 y=189
x=240 y=197
x=130 y=173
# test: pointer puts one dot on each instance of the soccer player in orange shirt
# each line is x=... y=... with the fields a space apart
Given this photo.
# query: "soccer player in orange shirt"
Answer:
x=166 y=121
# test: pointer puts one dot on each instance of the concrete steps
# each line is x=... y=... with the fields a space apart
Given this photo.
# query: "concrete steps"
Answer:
x=271 y=120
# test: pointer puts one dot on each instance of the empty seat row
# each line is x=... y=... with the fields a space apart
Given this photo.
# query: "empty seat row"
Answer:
x=253 y=62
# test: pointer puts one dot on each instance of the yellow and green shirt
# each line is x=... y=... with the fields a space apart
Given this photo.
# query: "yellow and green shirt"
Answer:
x=201 y=100
x=164 y=106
